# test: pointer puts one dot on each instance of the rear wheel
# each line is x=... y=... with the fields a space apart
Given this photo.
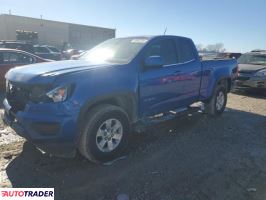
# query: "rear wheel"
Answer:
x=105 y=133
x=216 y=105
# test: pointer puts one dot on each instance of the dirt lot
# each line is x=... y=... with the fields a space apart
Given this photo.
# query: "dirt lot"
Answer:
x=192 y=158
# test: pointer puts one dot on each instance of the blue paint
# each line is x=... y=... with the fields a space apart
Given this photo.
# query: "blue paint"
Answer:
x=155 y=90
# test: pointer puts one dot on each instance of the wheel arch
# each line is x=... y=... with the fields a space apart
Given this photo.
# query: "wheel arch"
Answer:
x=127 y=101
x=223 y=80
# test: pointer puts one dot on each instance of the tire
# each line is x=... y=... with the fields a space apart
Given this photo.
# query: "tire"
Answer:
x=216 y=105
x=105 y=133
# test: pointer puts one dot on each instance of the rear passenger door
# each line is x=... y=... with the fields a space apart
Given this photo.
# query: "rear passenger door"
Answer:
x=189 y=68
x=159 y=86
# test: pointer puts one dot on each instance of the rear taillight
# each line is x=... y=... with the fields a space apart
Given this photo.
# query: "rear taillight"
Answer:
x=235 y=72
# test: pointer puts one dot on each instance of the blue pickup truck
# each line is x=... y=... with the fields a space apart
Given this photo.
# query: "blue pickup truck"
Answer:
x=91 y=105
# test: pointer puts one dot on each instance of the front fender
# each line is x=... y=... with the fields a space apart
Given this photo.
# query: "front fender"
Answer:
x=126 y=100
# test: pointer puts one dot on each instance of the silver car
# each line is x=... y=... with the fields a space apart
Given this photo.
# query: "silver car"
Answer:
x=252 y=71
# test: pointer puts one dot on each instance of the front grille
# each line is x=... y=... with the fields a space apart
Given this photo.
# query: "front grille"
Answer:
x=17 y=96
x=240 y=84
x=245 y=75
x=243 y=78
x=247 y=72
x=260 y=84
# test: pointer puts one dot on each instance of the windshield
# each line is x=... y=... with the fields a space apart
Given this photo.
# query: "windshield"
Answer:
x=121 y=50
x=41 y=50
x=53 y=49
x=252 y=59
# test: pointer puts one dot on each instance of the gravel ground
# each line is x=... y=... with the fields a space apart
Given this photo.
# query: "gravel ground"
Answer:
x=196 y=157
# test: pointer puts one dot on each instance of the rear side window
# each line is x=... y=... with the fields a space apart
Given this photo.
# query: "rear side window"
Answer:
x=41 y=50
x=20 y=46
x=10 y=58
x=16 y=58
x=54 y=49
x=164 y=48
x=185 y=50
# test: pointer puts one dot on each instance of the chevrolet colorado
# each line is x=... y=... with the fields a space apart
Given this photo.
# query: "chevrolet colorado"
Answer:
x=92 y=104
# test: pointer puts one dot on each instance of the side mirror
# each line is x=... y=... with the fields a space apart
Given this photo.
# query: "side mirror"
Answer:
x=154 y=61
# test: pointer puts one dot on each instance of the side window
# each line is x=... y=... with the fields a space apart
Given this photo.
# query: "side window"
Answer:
x=25 y=59
x=41 y=50
x=164 y=48
x=185 y=50
x=10 y=58
x=16 y=58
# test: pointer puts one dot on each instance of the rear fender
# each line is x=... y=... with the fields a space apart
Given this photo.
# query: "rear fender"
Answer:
x=218 y=77
x=221 y=81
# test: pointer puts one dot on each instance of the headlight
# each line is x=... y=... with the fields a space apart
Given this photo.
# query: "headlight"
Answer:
x=261 y=73
x=58 y=94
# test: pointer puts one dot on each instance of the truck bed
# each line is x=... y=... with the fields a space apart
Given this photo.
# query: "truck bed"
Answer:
x=213 y=70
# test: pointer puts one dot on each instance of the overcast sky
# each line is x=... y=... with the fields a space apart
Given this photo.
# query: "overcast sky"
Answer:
x=239 y=24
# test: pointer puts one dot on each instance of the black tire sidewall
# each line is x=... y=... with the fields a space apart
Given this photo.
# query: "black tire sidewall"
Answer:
x=91 y=132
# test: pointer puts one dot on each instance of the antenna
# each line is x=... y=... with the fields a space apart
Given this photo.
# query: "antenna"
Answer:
x=165 y=30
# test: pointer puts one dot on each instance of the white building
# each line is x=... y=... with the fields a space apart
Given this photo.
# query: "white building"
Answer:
x=53 y=32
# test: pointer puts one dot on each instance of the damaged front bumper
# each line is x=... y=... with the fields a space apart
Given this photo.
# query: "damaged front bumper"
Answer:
x=248 y=81
x=51 y=132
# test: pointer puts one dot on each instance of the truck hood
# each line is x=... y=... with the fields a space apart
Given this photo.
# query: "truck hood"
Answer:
x=250 y=67
x=47 y=72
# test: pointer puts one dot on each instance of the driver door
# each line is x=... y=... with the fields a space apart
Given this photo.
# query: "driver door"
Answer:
x=158 y=86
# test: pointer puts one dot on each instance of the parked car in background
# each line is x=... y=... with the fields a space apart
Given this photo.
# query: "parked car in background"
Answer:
x=10 y=58
x=53 y=49
x=76 y=57
x=229 y=55
x=91 y=104
x=258 y=50
x=48 y=52
x=20 y=45
x=252 y=71
x=67 y=54
x=207 y=55
x=216 y=55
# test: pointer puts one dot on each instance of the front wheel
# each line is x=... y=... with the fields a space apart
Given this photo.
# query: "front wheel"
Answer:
x=216 y=105
x=105 y=133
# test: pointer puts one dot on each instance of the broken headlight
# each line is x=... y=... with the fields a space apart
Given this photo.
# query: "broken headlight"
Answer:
x=59 y=93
